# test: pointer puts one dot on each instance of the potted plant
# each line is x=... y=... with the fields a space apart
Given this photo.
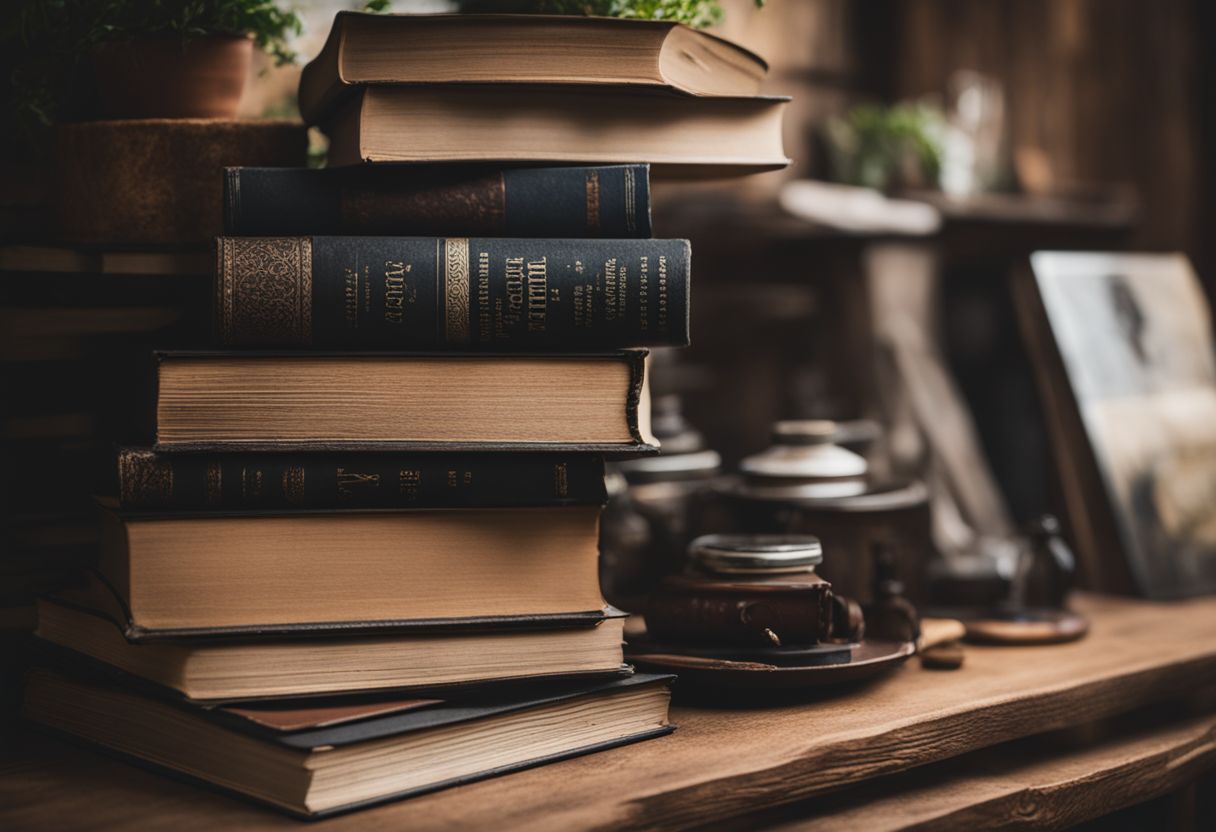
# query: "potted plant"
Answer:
x=139 y=58
x=191 y=58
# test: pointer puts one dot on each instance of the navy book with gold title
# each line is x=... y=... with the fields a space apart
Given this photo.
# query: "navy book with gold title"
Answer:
x=452 y=293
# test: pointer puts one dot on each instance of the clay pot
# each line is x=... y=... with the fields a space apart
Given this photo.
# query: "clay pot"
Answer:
x=162 y=76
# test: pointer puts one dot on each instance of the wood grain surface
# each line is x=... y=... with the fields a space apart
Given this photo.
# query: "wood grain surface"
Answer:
x=1028 y=786
x=722 y=762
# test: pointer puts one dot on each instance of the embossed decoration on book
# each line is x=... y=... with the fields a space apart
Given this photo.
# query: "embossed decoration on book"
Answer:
x=266 y=287
x=456 y=289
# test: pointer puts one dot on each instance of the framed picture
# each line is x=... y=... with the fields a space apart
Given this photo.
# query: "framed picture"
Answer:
x=1123 y=350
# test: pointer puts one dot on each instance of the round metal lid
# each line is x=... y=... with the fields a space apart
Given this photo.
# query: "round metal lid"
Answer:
x=819 y=462
x=804 y=431
x=674 y=466
x=734 y=554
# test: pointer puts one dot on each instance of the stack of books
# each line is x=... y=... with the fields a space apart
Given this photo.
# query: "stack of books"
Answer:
x=360 y=558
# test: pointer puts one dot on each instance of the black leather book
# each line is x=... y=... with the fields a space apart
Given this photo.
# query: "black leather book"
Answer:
x=148 y=480
x=589 y=201
x=329 y=760
x=451 y=293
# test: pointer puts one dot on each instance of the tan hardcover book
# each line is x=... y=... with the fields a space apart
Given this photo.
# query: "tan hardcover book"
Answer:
x=677 y=135
x=380 y=401
x=237 y=669
x=376 y=570
x=522 y=49
x=383 y=753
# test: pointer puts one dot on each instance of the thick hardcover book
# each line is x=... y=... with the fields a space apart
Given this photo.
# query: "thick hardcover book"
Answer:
x=600 y=201
x=90 y=625
x=338 y=758
x=447 y=402
x=678 y=135
x=150 y=480
x=352 y=572
x=543 y=49
x=418 y=293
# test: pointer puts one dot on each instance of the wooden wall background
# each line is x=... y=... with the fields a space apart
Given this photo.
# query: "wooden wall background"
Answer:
x=1110 y=92
x=1106 y=90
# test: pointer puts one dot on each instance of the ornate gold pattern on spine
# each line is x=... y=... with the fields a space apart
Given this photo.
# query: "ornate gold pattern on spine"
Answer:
x=264 y=290
x=561 y=485
x=144 y=479
x=456 y=289
x=593 y=202
x=215 y=483
x=293 y=484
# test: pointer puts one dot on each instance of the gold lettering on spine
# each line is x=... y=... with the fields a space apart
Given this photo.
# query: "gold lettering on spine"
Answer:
x=293 y=484
x=456 y=289
x=215 y=483
x=538 y=293
x=593 y=202
x=409 y=480
x=610 y=288
x=560 y=480
x=662 y=293
x=264 y=290
x=644 y=293
x=350 y=297
x=485 y=330
x=396 y=293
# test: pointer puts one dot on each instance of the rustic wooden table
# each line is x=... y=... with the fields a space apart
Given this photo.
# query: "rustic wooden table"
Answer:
x=725 y=765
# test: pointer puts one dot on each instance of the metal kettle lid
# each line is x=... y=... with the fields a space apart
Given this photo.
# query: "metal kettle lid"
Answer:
x=756 y=554
x=804 y=450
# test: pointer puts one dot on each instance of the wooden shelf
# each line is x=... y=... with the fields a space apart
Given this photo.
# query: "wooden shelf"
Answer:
x=1033 y=784
x=721 y=763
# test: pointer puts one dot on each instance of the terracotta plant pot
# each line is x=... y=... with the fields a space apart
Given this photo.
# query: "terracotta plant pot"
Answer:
x=163 y=76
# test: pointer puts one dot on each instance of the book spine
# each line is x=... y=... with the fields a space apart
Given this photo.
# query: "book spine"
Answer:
x=610 y=201
x=149 y=481
x=427 y=293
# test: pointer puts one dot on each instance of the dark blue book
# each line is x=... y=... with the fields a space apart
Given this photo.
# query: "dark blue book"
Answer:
x=424 y=200
x=489 y=294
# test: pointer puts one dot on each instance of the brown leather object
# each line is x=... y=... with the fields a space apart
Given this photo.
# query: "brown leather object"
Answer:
x=159 y=181
x=770 y=612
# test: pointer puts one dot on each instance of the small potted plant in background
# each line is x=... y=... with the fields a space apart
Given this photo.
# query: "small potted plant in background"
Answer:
x=183 y=59
x=99 y=59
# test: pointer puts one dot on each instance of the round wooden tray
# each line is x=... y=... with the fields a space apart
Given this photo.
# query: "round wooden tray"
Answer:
x=1027 y=627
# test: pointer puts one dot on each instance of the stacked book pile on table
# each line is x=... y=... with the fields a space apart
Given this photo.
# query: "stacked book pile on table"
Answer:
x=359 y=558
